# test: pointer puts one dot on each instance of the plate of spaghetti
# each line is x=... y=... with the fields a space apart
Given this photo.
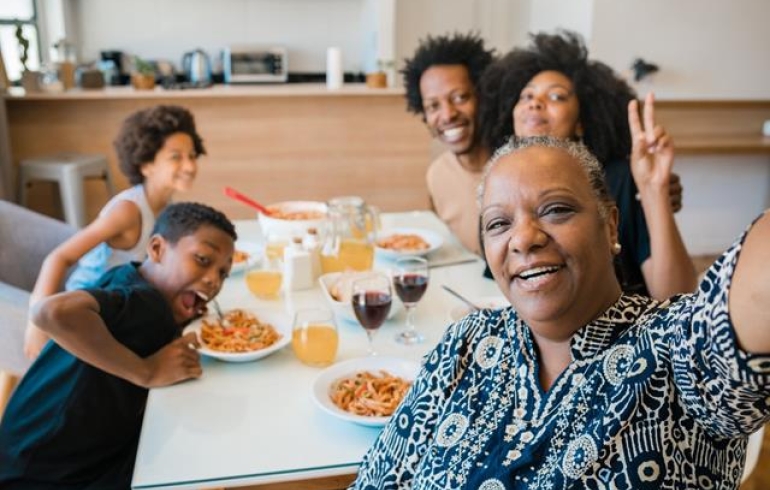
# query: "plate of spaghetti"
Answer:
x=366 y=391
x=399 y=242
x=245 y=256
x=245 y=335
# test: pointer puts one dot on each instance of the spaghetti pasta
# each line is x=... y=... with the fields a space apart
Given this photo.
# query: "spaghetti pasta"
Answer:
x=241 y=332
x=369 y=394
x=295 y=215
x=240 y=256
x=404 y=242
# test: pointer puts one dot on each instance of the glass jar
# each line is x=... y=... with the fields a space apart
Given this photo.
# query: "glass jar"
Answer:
x=350 y=235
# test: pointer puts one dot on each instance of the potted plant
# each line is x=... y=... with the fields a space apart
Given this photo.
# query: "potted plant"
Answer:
x=30 y=80
x=143 y=75
x=379 y=78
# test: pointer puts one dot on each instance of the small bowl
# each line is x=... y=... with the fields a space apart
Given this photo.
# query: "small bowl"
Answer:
x=278 y=226
x=331 y=284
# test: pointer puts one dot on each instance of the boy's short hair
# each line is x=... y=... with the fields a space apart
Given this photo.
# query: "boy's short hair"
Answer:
x=457 y=49
x=144 y=133
x=184 y=218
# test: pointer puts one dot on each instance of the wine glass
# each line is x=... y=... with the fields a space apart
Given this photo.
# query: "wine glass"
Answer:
x=371 y=301
x=410 y=280
x=314 y=336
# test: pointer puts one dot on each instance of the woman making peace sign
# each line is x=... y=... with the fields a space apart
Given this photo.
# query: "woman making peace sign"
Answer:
x=578 y=385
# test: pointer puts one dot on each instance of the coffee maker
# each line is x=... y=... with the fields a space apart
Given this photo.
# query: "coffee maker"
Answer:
x=120 y=75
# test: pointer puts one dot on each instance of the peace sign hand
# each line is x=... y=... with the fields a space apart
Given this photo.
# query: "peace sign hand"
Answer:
x=652 y=151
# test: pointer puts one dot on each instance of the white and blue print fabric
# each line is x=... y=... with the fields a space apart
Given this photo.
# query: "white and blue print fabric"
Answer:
x=658 y=395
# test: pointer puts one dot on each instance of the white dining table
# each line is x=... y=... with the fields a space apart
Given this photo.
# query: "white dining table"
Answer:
x=254 y=423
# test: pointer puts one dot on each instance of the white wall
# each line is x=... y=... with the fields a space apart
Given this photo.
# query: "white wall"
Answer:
x=722 y=194
x=502 y=23
x=165 y=29
x=706 y=49
x=573 y=15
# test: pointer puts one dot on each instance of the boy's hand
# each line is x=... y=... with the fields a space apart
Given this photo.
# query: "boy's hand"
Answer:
x=175 y=362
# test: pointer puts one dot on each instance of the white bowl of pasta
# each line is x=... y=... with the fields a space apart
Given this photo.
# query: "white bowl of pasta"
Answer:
x=339 y=391
x=293 y=218
x=245 y=256
x=246 y=336
x=404 y=242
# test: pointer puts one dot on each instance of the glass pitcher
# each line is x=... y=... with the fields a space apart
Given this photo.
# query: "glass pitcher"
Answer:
x=350 y=235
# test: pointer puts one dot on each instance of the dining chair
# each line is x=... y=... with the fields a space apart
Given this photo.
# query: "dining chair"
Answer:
x=26 y=238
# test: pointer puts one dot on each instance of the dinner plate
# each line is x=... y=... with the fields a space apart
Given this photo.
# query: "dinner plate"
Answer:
x=279 y=321
x=255 y=255
x=433 y=239
x=492 y=302
x=322 y=386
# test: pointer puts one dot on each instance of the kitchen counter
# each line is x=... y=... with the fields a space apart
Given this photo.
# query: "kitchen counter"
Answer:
x=302 y=141
x=216 y=91
x=273 y=142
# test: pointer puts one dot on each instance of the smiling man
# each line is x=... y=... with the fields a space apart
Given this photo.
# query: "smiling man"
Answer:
x=441 y=80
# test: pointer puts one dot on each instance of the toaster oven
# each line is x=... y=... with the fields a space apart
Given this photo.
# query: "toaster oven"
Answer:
x=255 y=64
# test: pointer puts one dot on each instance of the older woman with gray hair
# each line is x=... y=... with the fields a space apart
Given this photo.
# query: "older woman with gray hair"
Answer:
x=578 y=385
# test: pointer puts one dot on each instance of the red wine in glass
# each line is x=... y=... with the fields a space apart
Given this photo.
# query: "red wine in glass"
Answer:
x=371 y=308
x=410 y=280
x=371 y=300
x=410 y=287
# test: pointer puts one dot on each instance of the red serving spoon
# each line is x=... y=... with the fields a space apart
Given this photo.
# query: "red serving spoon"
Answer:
x=232 y=193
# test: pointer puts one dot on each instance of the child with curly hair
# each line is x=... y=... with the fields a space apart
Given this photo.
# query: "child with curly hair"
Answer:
x=157 y=149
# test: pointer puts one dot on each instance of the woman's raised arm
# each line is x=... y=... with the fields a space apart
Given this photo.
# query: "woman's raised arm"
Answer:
x=749 y=297
x=669 y=269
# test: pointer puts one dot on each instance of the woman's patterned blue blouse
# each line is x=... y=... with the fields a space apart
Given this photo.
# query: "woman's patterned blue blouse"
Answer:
x=658 y=395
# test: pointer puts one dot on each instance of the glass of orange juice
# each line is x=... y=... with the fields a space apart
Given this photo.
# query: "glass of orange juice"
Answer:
x=314 y=338
x=274 y=246
x=265 y=281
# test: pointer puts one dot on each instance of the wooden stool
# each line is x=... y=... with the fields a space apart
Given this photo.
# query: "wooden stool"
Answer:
x=69 y=170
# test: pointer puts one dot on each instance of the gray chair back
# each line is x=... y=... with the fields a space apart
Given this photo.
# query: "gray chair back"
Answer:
x=26 y=238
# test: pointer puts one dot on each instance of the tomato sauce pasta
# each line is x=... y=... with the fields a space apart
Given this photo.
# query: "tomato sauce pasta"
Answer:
x=240 y=256
x=369 y=394
x=242 y=332
x=403 y=242
x=295 y=215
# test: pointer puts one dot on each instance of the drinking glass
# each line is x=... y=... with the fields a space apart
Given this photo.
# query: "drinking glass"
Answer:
x=275 y=244
x=314 y=337
x=371 y=300
x=410 y=280
x=265 y=281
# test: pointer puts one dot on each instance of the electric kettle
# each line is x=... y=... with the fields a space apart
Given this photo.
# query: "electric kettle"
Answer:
x=197 y=66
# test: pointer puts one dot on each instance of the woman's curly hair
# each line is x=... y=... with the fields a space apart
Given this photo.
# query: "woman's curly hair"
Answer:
x=602 y=95
x=144 y=132
x=457 y=49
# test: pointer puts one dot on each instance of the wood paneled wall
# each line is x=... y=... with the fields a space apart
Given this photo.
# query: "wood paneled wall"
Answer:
x=273 y=149
x=312 y=145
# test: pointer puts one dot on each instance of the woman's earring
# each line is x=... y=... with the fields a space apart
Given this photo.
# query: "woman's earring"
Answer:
x=616 y=248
